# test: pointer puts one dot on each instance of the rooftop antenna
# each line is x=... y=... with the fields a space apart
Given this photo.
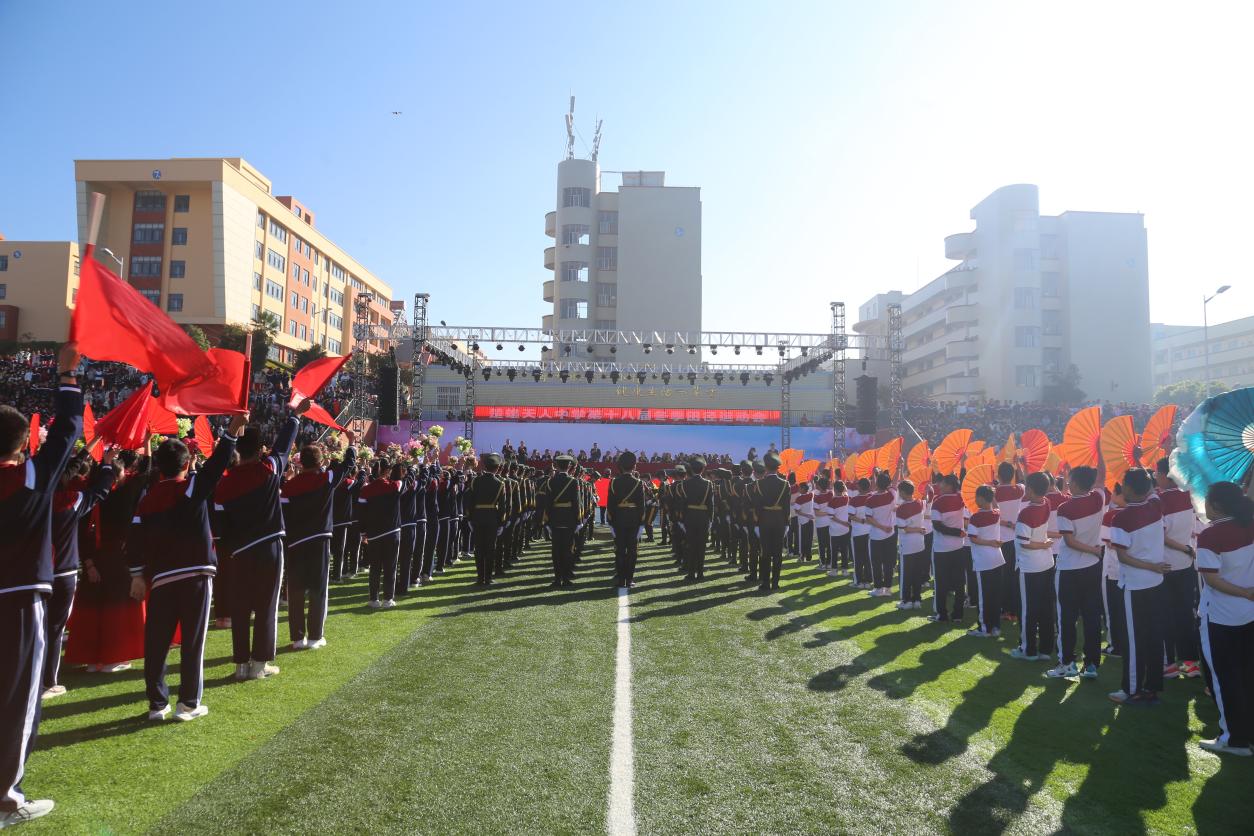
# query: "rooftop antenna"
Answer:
x=570 y=130
x=596 y=142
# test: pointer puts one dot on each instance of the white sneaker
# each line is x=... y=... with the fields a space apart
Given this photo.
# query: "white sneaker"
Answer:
x=918 y=605
x=1120 y=696
x=185 y=714
x=389 y=604
x=903 y=605
x=93 y=668
x=374 y=605
x=118 y=668
x=54 y=691
x=317 y=643
x=159 y=713
x=26 y=811
x=1224 y=749
x=300 y=644
x=833 y=573
x=241 y=672
x=260 y=670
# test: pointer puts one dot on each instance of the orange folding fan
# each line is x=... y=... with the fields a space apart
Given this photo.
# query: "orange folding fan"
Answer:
x=888 y=456
x=806 y=470
x=947 y=456
x=1034 y=448
x=1009 y=451
x=850 y=470
x=1053 y=463
x=981 y=474
x=866 y=465
x=789 y=459
x=920 y=476
x=1081 y=437
x=833 y=468
x=919 y=457
x=1119 y=442
x=1157 y=435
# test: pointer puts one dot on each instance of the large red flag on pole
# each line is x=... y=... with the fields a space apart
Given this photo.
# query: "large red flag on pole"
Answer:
x=313 y=376
x=126 y=425
x=223 y=392
x=321 y=416
x=33 y=441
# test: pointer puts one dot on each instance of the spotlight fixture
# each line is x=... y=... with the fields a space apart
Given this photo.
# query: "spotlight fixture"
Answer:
x=590 y=349
x=692 y=349
x=640 y=377
x=614 y=376
x=692 y=378
x=498 y=372
x=535 y=375
x=713 y=350
x=454 y=346
x=655 y=375
x=804 y=351
x=744 y=378
x=666 y=378
x=487 y=373
x=543 y=348
x=588 y=375
x=566 y=350
x=736 y=348
x=550 y=375
x=670 y=349
x=613 y=349
x=522 y=347
x=758 y=349
x=499 y=347
x=781 y=351
x=474 y=346
x=718 y=378
x=511 y=374
x=768 y=377
x=647 y=348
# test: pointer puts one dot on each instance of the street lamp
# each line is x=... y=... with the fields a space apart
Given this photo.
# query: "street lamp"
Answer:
x=1206 y=332
x=121 y=264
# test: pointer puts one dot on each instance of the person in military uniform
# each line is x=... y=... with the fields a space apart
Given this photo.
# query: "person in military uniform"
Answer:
x=674 y=514
x=696 y=506
x=560 y=512
x=753 y=531
x=624 y=509
x=487 y=508
x=770 y=499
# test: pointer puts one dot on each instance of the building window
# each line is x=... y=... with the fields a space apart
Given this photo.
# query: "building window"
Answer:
x=1025 y=298
x=4 y=291
x=304 y=304
x=279 y=232
x=274 y=290
x=304 y=276
x=182 y=202
x=256 y=312
x=261 y=220
x=178 y=269
x=1051 y=323
x=337 y=297
x=1052 y=358
x=1049 y=246
x=607 y=294
x=448 y=397
x=276 y=261
x=174 y=303
x=1026 y=261
x=333 y=346
x=607 y=258
x=292 y=327
x=4 y=263
x=153 y=296
x=256 y=281
x=295 y=300
x=1026 y=376
x=574 y=309
x=574 y=271
x=4 y=318
x=178 y=235
x=1027 y=336
x=337 y=272
x=336 y=322
x=258 y=250
x=576 y=196
x=149 y=201
x=1051 y=285
x=605 y=325
x=146 y=267
x=303 y=332
x=607 y=223
x=148 y=233
x=576 y=234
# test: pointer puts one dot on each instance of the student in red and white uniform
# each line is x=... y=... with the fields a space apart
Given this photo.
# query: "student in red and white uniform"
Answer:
x=880 y=517
x=838 y=512
x=1225 y=560
x=803 y=509
x=984 y=535
x=1136 y=535
x=1180 y=590
x=1078 y=581
x=1035 y=559
x=914 y=558
x=949 y=550
x=794 y=522
x=1010 y=495
x=1112 y=596
x=861 y=535
x=823 y=520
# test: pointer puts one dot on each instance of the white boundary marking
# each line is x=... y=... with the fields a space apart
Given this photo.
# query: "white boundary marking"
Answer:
x=621 y=818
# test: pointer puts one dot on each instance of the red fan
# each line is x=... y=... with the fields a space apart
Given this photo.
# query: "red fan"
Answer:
x=806 y=470
x=866 y=465
x=981 y=474
x=919 y=458
x=850 y=471
x=947 y=456
x=1081 y=437
x=1118 y=445
x=1034 y=447
x=1157 y=435
x=888 y=457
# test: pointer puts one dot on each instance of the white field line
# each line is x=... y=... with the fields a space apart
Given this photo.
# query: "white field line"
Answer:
x=621 y=819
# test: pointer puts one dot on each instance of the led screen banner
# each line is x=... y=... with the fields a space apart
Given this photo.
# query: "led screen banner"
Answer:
x=641 y=415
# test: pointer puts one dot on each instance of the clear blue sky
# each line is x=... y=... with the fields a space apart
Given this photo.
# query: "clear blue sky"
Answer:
x=836 y=143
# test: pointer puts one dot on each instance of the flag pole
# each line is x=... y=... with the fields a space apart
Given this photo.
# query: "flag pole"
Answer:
x=248 y=370
x=95 y=211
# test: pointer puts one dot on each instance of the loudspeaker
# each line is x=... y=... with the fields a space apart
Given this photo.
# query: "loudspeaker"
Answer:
x=866 y=418
x=387 y=394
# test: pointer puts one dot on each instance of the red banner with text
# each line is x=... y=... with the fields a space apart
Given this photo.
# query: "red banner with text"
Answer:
x=627 y=415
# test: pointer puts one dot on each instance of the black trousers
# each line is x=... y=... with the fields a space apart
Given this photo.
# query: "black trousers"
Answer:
x=504 y=541
x=771 y=561
x=428 y=547
x=841 y=547
x=256 y=575
x=807 y=538
x=913 y=574
x=381 y=554
x=1010 y=580
x=988 y=584
x=794 y=536
x=1036 y=603
x=824 y=539
x=1079 y=595
x=561 y=549
x=416 y=562
x=1143 y=657
x=308 y=564
x=1116 y=622
x=404 y=561
x=698 y=530
x=23 y=623
x=951 y=570
x=753 y=539
x=183 y=604
x=626 y=549
x=1229 y=653
x=1180 y=633
x=485 y=551
x=339 y=549
x=60 y=605
x=883 y=558
x=862 y=558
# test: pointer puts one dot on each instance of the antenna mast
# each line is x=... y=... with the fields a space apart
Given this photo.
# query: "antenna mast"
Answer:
x=570 y=130
x=596 y=142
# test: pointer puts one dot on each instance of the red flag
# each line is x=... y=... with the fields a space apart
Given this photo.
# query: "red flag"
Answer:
x=309 y=381
x=33 y=441
x=162 y=421
x=126 y=425
x=321 y=416
x=202 y=435
x=219 y=393
x=112 y=321
x=89 y=432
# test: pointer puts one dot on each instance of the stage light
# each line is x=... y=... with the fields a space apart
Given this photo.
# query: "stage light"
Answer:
x=590 y=349
x=550 y=375
x=454 y=346
x=804 y=351
x=613 y=349
x=474 y=347
x=566 y=350
x=713 y=350
x=666 y=378
x=758 y=349
x=543 y=348
x=614 y=375
x=511 y=374
x=640 y=377
x=487 y=373
x=535 y=375
x=692 y=378
x=522 y=347
x=692 y=349
x=744 y=378
x=498 y=372
x=768 y=377
x=736 y=349
x=655 y=375
x=588 y=375
x=499 y=347
x=781 y=351
x=718 y=378
x=670 y=349
x=647 y=348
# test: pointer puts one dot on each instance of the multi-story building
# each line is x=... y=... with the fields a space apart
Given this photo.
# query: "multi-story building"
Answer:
x=38 y=282
x=623 y=260
x=209 y=242
x=1032 y=296
x=1184 y=352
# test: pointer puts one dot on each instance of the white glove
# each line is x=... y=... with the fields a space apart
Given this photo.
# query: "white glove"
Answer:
x=640 y=533
x=757 y=532
x=681 y=527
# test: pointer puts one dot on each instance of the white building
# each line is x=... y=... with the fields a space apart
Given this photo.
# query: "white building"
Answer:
x=1031 y=296
x=1180 y=353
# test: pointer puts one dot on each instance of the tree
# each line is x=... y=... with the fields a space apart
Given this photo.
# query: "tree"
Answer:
x=307 y=355
x=198 y=336
x=263 y=330
x=1187 y=393
x=1063 y=387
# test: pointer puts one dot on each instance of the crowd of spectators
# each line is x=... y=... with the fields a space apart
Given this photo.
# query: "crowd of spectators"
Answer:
x=995 y=420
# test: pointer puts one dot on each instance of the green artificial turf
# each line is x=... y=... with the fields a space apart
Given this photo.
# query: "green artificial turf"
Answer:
x=811 y=710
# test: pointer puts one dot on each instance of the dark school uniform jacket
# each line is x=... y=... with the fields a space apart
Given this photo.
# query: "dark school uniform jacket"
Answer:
x=308 y=500
x=379 y=506
x=248 y=497
x=69 y=508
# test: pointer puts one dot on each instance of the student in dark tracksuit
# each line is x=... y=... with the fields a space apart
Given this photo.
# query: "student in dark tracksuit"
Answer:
x=72 y=503
x=252 y=534
x=380 y=506
x=26 y=491
x=307 y=500
x=341 y=525
x=432 y=525
x=171 y=556
x=409 y=526
x=420 y=525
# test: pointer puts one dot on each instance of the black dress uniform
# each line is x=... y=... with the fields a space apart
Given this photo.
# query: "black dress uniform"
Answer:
x=409 y=529
x=432 y=524
x=380 y=506
x=770 y=500
x=624 y=509
x=695 y=507
x=26 y=492
x=341 y=527
x=487 y=505
x=421 y=484
x=561 y=512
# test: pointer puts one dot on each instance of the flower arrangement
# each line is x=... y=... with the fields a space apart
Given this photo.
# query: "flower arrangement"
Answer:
x=464 y=445
x=185 y=427
x=436 y=431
